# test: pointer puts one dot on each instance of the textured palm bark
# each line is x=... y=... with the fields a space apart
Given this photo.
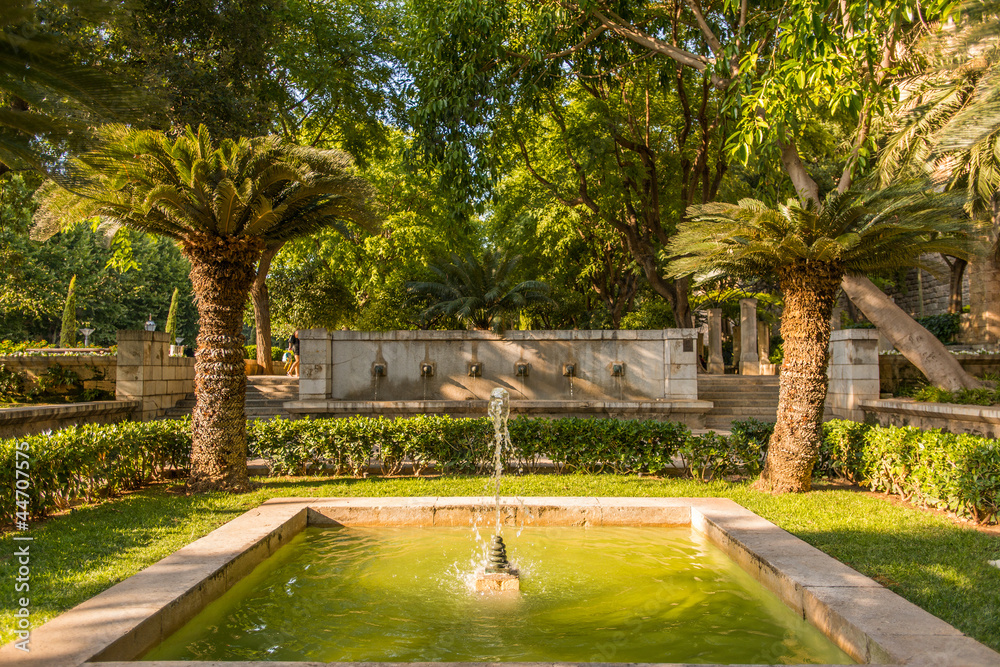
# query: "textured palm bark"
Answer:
x=810 y=291
x=222 y=271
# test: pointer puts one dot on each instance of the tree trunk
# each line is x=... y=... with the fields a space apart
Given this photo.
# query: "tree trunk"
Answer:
x=913 y=341
x=222 y=271
x=810 y=291
x=956 y=270
x=262 y=308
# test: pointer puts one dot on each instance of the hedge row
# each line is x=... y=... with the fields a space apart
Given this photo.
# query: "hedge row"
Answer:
x=960 y=473
x=87 y=462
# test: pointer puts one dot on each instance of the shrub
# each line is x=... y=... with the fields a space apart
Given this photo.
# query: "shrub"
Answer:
x=171 y=327
x=67 y=332
x=749 y=440
x=960 y=473
x=276 y=352
x=90 y=462
x=11 y=383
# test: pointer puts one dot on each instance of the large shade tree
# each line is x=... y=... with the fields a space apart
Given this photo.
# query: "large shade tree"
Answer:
x=785 y=70
x=810 y=250
x=223 y=203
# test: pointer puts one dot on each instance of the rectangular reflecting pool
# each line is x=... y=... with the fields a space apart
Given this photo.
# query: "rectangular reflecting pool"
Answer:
x=382 y=582
x=595 y=594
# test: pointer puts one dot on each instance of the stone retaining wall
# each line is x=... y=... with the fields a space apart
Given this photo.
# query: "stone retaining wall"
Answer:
x=90 y=367
x=17 y=422
x=467 y=365
x=895 y=369
x=975 y=419
x=148 y=374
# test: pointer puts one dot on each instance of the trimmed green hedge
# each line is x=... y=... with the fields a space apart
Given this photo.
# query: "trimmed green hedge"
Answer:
x=465 y=445
x=88 y=462
x=960 y=473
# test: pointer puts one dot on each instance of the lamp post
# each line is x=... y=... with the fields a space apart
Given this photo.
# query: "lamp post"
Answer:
x=150 y=324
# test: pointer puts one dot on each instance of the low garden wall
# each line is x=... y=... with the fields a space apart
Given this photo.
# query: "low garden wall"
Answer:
x=950 y=417
x=896 y=370
x=28 y=420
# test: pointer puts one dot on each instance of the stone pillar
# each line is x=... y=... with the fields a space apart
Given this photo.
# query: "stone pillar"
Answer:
x=147 y=373
x=315 y=365
x=749 y=359
x=853 y=372
x=764 y=349
x=837 y=318
x=680 y=365
x=715 y=364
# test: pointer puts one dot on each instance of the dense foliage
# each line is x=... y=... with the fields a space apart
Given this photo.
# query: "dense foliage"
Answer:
x=110 y=295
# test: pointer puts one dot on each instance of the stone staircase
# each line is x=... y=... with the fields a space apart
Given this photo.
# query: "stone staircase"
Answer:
x=738 y=397
x=266 y=395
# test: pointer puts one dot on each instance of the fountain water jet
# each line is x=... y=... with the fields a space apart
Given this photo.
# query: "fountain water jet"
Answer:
x=497 y=574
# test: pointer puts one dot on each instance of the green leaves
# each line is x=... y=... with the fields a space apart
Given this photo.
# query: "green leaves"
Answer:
x=256 y=187
x=861 y=233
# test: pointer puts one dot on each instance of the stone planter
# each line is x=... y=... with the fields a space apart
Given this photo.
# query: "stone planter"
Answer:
x=251 y=367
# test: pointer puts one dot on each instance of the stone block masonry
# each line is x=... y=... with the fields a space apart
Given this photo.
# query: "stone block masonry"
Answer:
x=853 y=372
x=147 y=374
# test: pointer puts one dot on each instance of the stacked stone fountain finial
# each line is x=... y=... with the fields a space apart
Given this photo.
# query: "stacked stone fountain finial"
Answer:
x=497 y=574
x=497 y=561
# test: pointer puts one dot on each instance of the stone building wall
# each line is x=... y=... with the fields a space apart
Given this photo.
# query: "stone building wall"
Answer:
x=934 y=288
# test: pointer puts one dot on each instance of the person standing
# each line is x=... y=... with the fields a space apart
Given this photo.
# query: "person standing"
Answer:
x=293 y=347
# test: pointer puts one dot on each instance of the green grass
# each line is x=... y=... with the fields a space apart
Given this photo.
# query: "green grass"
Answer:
x=921 y=555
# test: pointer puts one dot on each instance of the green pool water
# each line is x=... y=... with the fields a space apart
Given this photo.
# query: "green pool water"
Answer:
x=587 y=595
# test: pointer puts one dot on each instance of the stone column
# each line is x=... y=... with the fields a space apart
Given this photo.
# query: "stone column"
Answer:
x=749 y=359
x=680 y=365
x=837 y=318
x=853 y=372
x=315 y=365
x=145 y=372
x=715 y=364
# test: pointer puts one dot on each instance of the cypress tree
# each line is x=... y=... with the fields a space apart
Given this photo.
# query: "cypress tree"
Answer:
x=67 y=334
x=171 y=327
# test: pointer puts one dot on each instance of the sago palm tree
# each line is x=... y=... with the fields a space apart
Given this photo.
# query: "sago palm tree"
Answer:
x=809 y=251
x=223 y=203
x=479 y=292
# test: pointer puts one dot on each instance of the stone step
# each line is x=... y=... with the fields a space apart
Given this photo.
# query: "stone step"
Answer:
x=752 y=402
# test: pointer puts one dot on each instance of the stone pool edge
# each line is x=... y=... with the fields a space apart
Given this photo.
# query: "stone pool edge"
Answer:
x=868 y=621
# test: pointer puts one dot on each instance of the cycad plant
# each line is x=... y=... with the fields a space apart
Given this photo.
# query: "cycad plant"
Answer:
x=222 y=202
x=479 y=291
x=809 y=251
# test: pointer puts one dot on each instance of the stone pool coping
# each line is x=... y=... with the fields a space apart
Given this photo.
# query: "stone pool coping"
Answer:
x=871 y=623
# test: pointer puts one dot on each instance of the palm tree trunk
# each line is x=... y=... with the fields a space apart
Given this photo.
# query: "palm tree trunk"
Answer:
x=913 y=341
x=810 y=291
x=222 y=271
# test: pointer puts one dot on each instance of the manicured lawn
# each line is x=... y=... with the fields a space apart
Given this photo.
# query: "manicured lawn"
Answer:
x=923 y=556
